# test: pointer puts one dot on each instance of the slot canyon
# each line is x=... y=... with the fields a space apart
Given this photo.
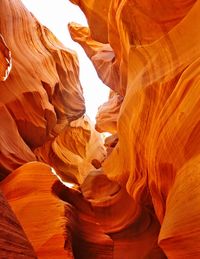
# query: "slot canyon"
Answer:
x=67 y=190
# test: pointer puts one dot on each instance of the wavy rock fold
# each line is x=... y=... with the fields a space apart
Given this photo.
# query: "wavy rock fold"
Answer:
x=134 y=194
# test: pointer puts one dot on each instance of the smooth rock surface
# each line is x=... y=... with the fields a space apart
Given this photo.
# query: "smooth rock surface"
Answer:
x=135 y=196
x=28 y=190
x=42 y=93
x=13 y=241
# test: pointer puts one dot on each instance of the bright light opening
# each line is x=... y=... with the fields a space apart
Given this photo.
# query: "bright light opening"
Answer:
x=55 y=15
x=67 y=184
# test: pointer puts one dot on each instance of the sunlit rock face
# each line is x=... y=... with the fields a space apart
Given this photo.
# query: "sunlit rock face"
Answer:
x=72 y=152
x=5 y=60
x=107 y=116
x=155 y=67
x=42 y=93
x=136 y=196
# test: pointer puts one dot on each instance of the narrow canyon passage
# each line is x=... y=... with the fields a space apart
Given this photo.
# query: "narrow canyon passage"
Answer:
x=99 y=138
x=56 y=15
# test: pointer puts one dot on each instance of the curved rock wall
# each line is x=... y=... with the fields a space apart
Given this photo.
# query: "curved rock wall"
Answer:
x=155 y=65
x=137 y=195
x=13 y=241
x=42 y=93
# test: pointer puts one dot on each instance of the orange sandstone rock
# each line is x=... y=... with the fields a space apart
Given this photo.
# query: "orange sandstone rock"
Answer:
x=28 y=190
x=96 y=13
x=156 y=157
x=107 y=224
x=42 y=94
x=144 y=200
x=71 y=153
x=101 y=55
x=107 y=116
x=13 y=241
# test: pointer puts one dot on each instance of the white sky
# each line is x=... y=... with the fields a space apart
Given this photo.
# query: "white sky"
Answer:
x=56 y=14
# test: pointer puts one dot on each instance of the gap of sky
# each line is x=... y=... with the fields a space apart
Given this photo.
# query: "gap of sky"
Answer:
x=56 y=14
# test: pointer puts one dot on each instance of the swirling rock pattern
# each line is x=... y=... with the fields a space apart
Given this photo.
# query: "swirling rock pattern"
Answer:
x=73 y=151
x=42 y=94
x=101 y=55
x=137 y=197
x=38 y=210
x=156 y=55
x=107 y=115
x=13 y=241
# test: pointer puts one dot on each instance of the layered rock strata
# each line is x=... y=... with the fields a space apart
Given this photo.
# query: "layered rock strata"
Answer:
x=42 y=94
x=138 y=196
x=155 y=67
x=13 y=241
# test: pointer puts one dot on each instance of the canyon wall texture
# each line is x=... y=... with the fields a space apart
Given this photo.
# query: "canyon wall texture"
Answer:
x=134 y=195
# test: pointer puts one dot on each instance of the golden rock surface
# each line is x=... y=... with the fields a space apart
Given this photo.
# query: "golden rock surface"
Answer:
x=135 y=196
x=42 y=93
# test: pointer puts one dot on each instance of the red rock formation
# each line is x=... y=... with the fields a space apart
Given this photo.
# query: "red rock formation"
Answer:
x=71 y=153
x=101 y=54
x=13 y=242
x=105 y=225
x=107 y=116
x=157 y=58
x=143 y=201
x=42 y=93
x=28 y=190
x=41 y=103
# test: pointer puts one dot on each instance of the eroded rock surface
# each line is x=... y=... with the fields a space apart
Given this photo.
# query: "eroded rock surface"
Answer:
x=71 y=152
x=38 y=210
x=42 y=93
x=13 y=241
x=136 y=196
x=155 y=66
